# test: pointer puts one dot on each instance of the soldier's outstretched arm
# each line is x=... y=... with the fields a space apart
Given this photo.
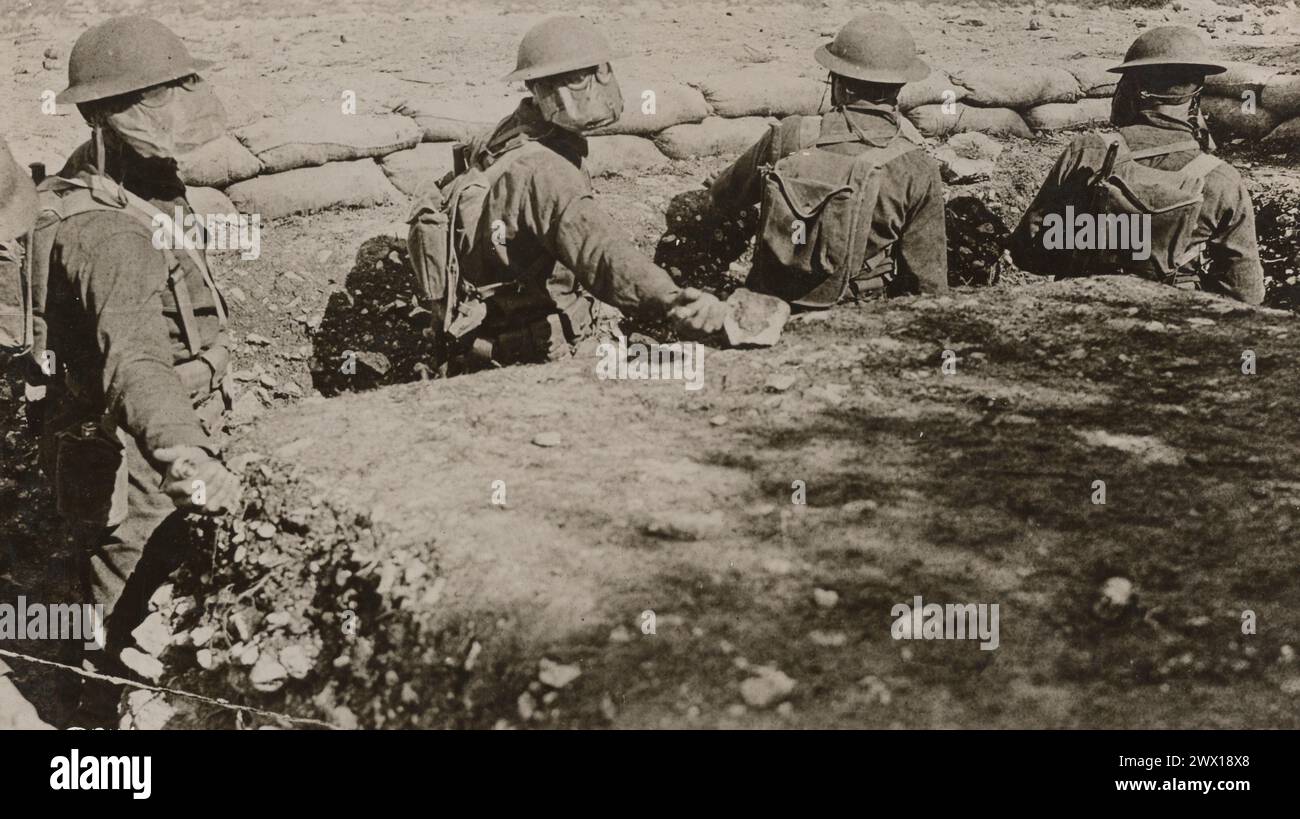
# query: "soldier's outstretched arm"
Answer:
x=566 y=219
x=1234 y=268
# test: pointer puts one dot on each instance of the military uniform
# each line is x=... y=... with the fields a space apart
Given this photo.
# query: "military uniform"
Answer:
x=907 y=248
x=1226 y=224
x=140 y=343
x=544 y=253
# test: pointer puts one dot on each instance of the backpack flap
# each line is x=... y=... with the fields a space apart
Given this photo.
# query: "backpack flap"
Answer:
x=806 y=234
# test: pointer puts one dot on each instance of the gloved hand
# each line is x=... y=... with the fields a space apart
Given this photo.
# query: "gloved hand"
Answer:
x=696 y=314
x=186 y=466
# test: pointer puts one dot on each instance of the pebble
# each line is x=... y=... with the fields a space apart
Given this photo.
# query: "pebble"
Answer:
x=526 y=705
x=780 y=382
x=1117 y=591
x=296 y=661
x=267 y=674
x=718 y=420
x=547 y=439
x=826 y=598
x=266 y=530
x=557 y=675
x=769 y=687
x=144 y=665
x=620 y=634
x=828 y=639
x=684 y=526
x=153 y=635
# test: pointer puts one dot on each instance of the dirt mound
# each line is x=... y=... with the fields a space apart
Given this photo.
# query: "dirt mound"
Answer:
x=416 y=556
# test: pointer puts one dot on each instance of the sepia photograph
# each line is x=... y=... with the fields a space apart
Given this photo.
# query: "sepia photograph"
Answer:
x=650 y=366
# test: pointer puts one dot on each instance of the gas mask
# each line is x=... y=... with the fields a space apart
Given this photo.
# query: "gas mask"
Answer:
x=170 y=120
x=580 y=101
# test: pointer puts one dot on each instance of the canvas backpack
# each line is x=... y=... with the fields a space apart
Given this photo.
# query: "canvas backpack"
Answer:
x=444 y=228
x=1124 y=187
x=816 y=210
x=24 y=288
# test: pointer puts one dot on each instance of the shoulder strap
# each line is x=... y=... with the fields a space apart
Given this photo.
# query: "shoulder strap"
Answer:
x=88 y=192
x=1201 y=167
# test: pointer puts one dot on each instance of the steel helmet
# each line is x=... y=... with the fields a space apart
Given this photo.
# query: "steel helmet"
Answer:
x=558 y=45
x=874 y=48
x=122 y=55
x=17 y=197
x=1169 y=45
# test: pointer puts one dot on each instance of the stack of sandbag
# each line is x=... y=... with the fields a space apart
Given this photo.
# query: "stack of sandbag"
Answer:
x=762 y=91
x=446 y=120
x=1059 y=116
x=935 y=89
x=942 y=121
x=650 y=106
x=317 y=134
x=1254 y=102
x=1017 y=89
x=1093 y=76
x=412 y=169
x=622 y=154
x=715 y=136
x=356 y=184
x=217 y=164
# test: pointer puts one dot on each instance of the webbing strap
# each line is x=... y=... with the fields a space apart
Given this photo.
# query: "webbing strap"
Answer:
x=147 y=214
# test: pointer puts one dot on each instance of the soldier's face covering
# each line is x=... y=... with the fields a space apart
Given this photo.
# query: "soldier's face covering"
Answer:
x=1165 y=99
x=170 y=120
x=580 y=101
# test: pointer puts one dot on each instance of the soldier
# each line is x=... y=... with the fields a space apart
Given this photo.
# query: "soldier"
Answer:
x=137 y=329
x=517 y=259
x=1154 y=177
x=849 y=205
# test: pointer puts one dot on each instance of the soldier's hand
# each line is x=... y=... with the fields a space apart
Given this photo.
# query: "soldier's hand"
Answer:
x=197 y=481
x=696 y=314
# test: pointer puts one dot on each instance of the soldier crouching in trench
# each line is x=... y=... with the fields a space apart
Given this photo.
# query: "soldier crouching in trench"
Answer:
x=511 y=252
x=137 y=393
x=850 y=206
x=1149 y=201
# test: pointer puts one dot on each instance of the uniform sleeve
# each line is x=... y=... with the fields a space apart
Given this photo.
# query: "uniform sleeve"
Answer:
x=740 y=184
x=1234 y=268
x=562 y=213
x=923 y=245
x=1026 y=249
x=119 y=281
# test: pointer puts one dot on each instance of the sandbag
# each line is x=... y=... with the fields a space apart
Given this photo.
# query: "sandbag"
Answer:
x=1018 y=88
x=412 y=169
x=210 y=202
x=1227 y=120
x=930 y=91
x=714 y=136
x=316 y=134
x=931 y=121
x=217 y=164
x=764 y=92
x=1285 y=136
x=1281 y=95
x=1239 y=77
x=674 y=104
x=448 y=120
x=1057 y=116
x=1093 y=78
x=622 y=153
x=355 y=184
